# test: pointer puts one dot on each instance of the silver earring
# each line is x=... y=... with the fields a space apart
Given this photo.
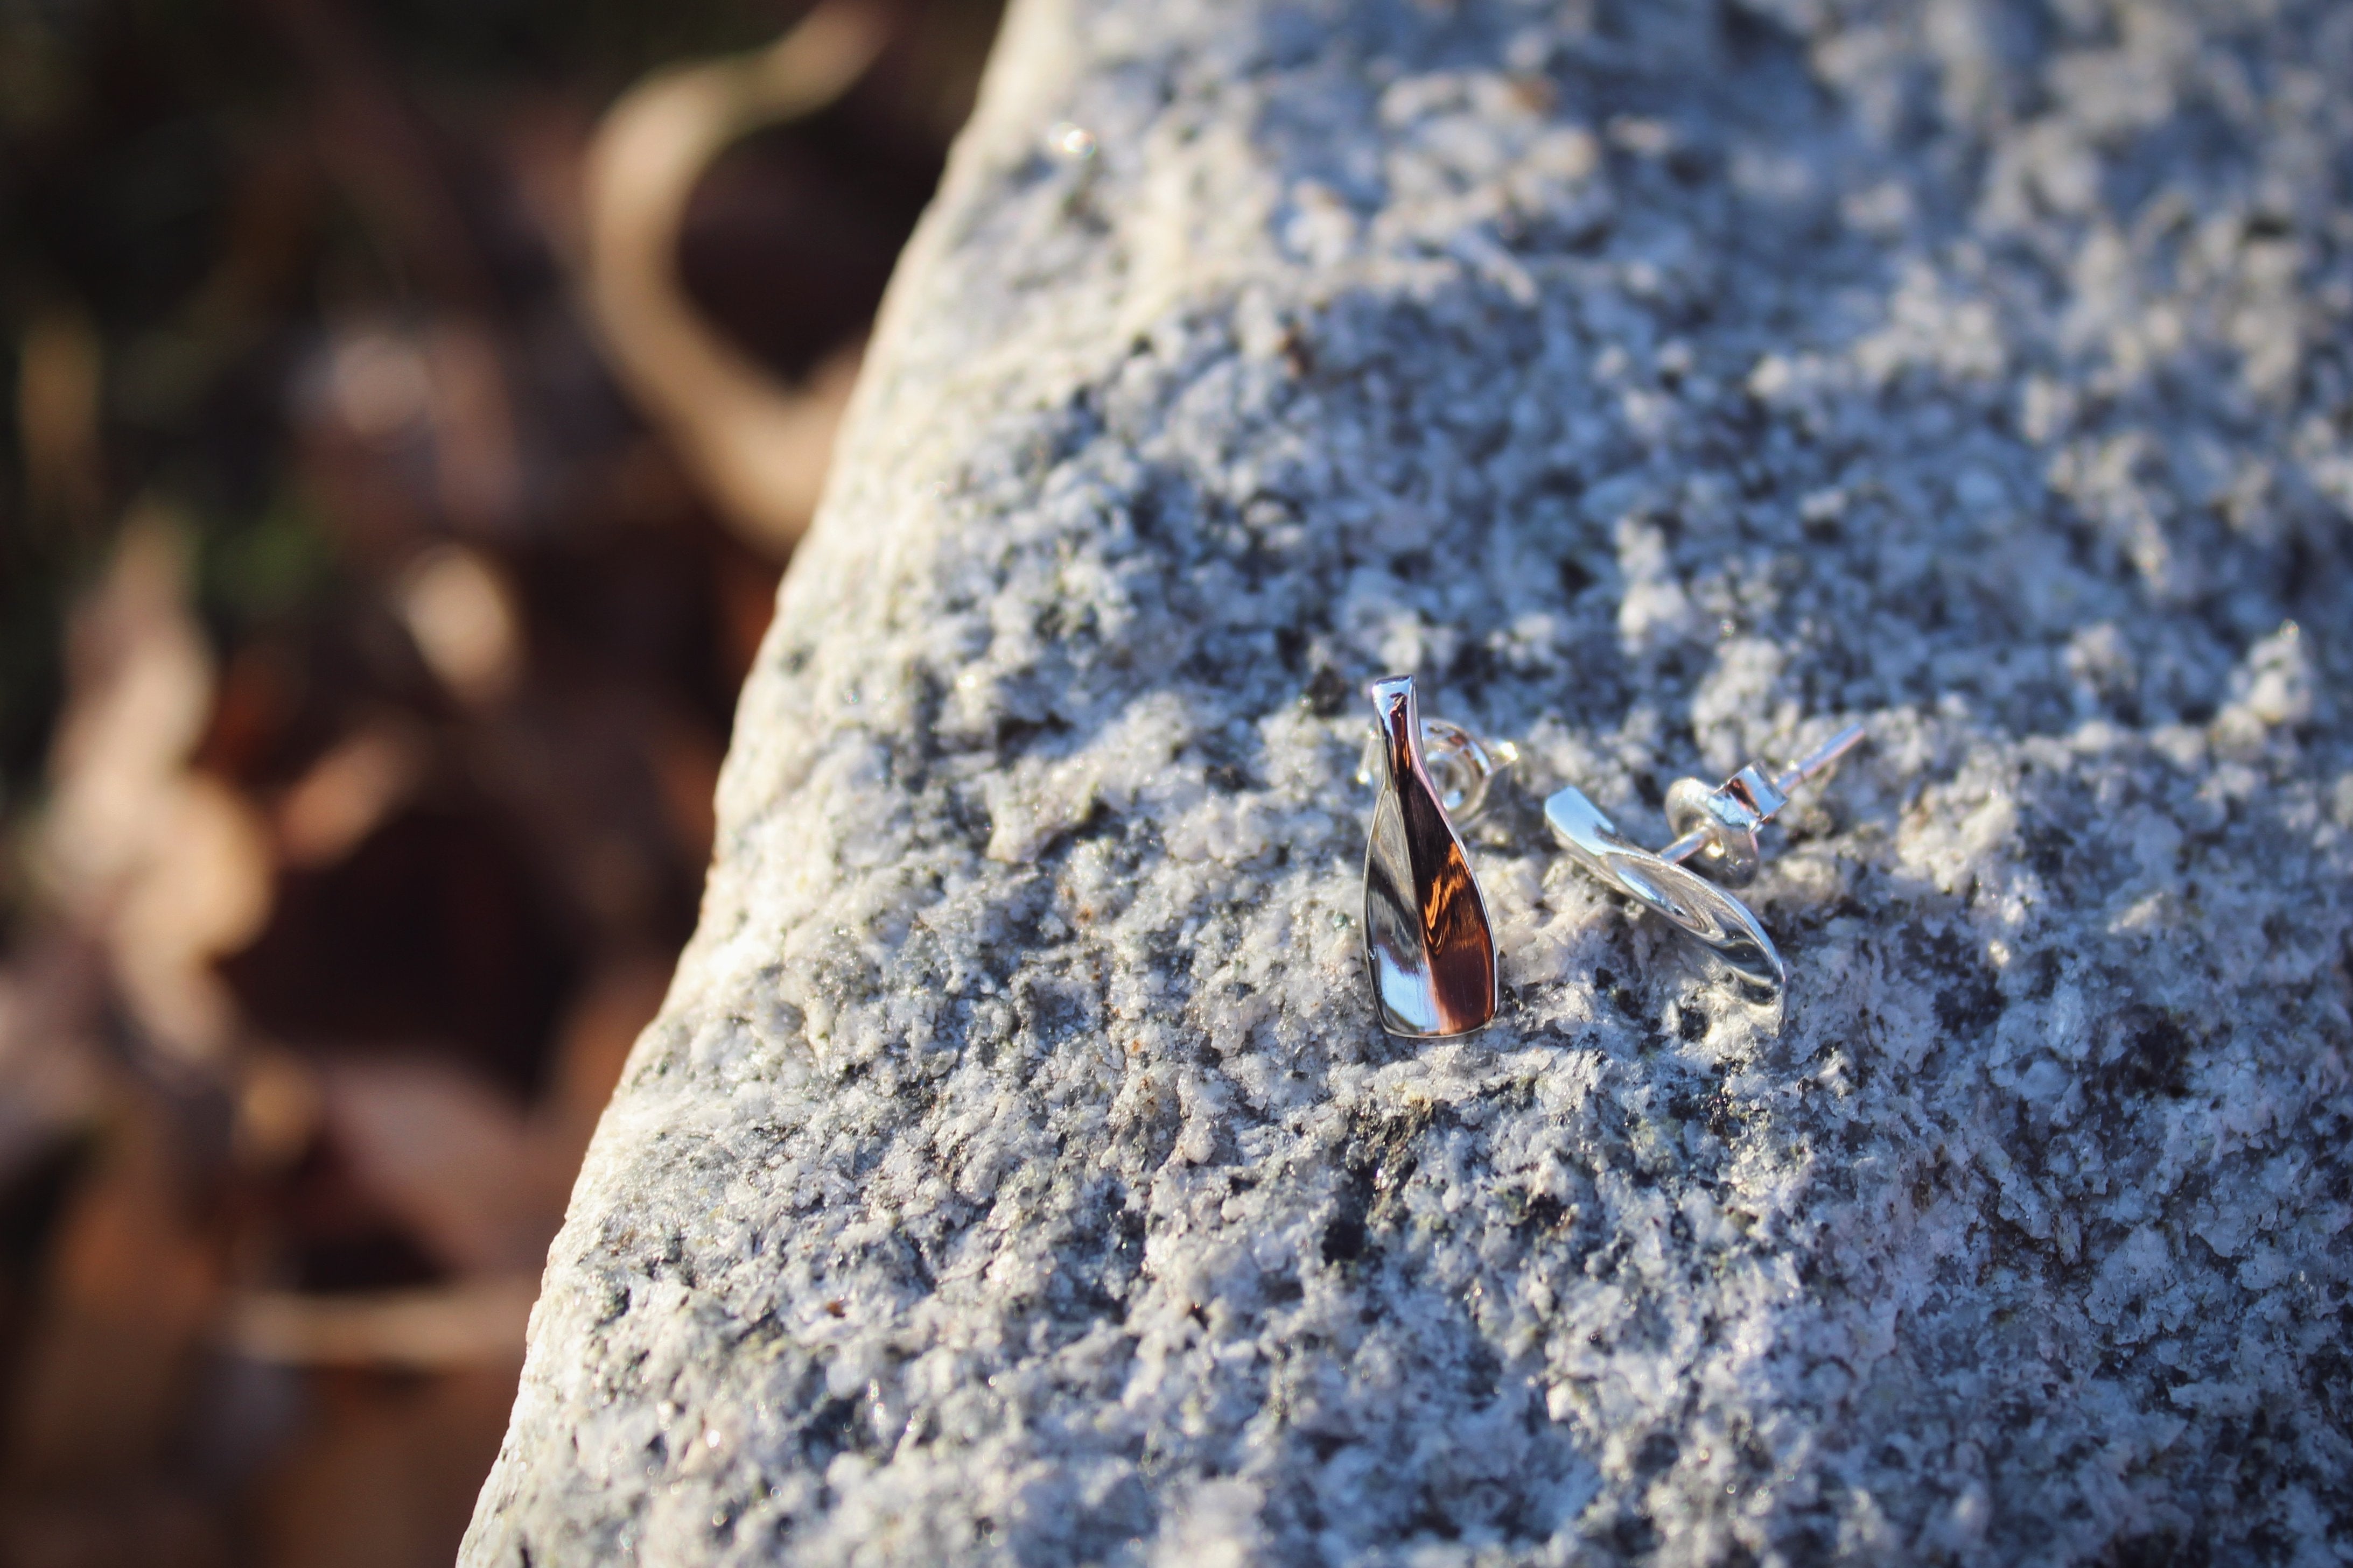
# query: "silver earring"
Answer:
x=1429 y=948
x=1717 y=826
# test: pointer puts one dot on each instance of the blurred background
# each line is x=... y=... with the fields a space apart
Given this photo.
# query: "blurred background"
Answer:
x=409 y=408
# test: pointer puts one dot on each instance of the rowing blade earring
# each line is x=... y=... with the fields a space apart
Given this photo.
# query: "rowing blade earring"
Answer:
x=1429 y=948
x=1716 y=830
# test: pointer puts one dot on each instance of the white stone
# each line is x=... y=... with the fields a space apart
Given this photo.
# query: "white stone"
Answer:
x=1016 y=1175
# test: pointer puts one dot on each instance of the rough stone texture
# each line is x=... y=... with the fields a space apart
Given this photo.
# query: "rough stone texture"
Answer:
x=1015 y=1176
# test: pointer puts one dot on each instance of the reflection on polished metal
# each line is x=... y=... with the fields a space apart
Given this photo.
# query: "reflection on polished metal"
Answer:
x=1720 y=825
x=1716 y=828
x=1462 y=766
x=1428 y=946
x=1698 y=907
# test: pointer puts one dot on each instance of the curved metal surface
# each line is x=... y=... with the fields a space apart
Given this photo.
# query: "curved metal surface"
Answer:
x=1429 y=948
x=1698 y=908
x=1463 y=765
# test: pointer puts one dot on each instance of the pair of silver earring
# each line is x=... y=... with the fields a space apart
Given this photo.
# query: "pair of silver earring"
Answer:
x=1429 y=949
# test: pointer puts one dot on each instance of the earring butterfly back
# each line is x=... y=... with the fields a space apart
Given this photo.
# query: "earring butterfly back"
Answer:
x=1719 y=826
x=1429 y=950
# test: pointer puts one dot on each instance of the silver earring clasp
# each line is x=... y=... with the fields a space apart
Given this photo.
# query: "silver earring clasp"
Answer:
x=1463 y=765
x=1720 y=825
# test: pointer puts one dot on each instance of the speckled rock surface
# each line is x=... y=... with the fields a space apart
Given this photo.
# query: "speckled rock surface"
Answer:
x=1016 y=1175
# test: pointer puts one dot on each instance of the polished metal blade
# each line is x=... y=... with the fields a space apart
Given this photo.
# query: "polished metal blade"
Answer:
x=1427 y=945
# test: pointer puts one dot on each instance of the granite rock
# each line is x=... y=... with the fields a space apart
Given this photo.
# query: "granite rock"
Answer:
x=1015 y=1174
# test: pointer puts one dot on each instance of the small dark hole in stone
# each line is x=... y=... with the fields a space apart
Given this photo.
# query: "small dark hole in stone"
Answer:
x=1326 y=693
x=1344 y=1240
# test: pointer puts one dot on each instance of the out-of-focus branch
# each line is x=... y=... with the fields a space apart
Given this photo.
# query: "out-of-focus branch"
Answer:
x=468 y=1323
x=759 y=448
